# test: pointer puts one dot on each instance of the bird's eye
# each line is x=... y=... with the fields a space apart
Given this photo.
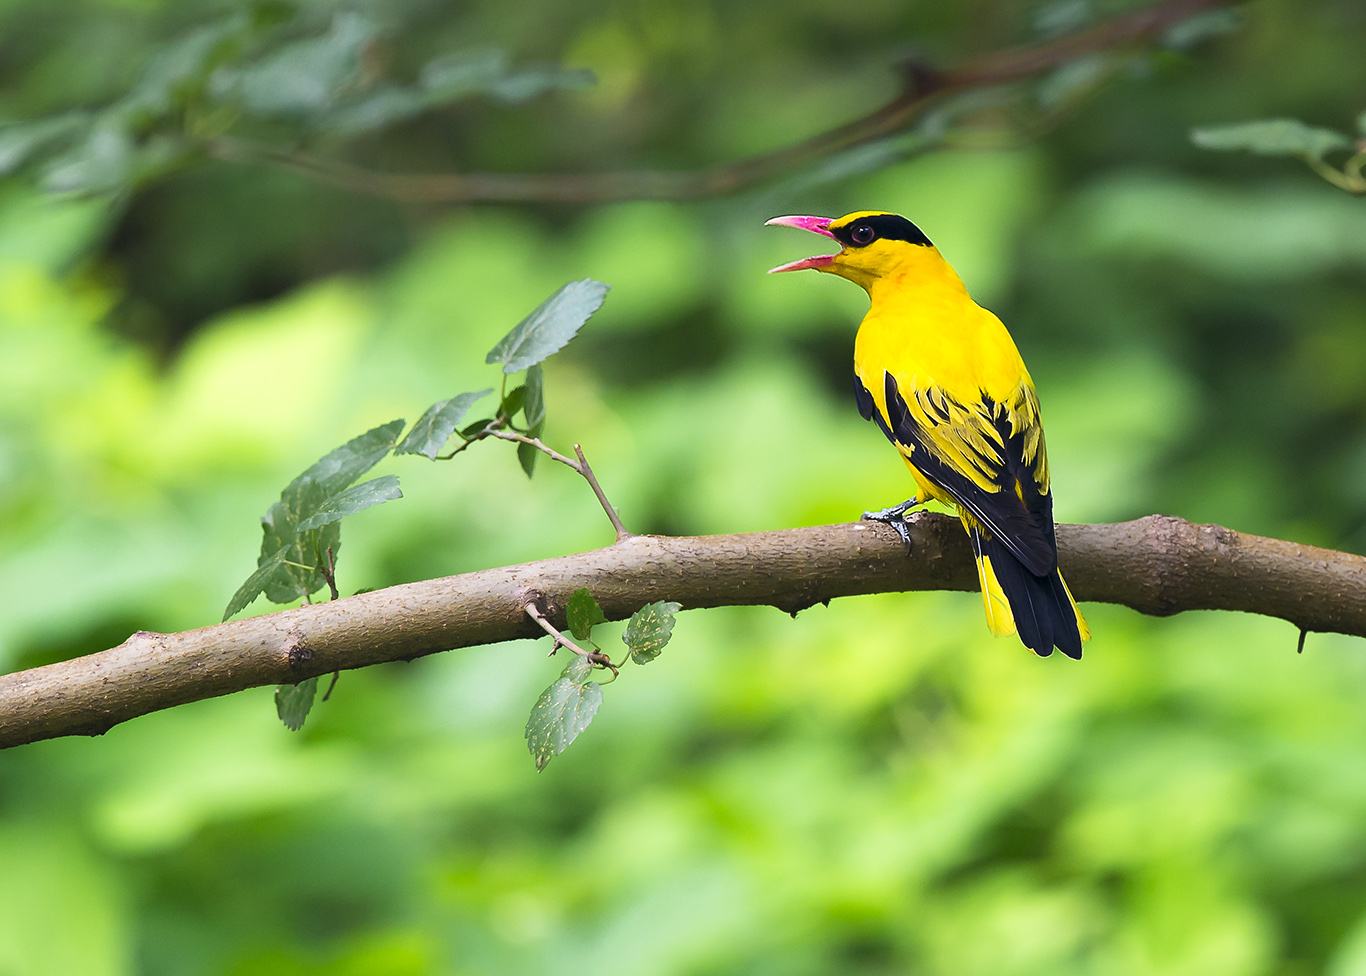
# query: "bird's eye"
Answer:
x=862 y=234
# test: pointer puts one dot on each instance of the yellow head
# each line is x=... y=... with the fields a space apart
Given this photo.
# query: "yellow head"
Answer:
x=875 y=246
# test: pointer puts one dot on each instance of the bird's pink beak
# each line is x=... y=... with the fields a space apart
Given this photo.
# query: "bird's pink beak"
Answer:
x=816 y=225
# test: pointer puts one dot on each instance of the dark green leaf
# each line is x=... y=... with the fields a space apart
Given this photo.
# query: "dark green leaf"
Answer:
x=313 y=492
x=472 y=429
x=355 y=499
x=649 y=630
x=339 y=468
x=293 y=702
x=562 y=712
x=434 y=428
x=512 y=402
x=528 y=455
x=549 y=327
x=255 y=583
x=534 y=406
x=1273 y=137
x=582 y=613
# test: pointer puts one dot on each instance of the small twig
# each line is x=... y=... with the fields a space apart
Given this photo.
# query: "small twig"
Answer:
x=586 y=470
x=336 y=676
x=582 y=466
x=1299 y=647
x=329 y=570
x=596 y=658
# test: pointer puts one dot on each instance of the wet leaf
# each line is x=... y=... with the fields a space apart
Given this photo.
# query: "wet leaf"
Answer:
x=294 y=702
x=582 y=613
x=649 y=629
x=562 y=712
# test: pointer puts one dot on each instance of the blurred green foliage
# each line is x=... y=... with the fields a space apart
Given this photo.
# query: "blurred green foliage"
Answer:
x=876 y=787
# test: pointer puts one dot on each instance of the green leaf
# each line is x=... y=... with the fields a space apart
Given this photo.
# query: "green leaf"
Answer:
x=104 y=160
x=1361 y=123
x=534 y=406
x=311 y=494
x=528 y=83
x=470 y=430
x=293 y=702
x=355 y=499
x=512 y=402
x=21 y=142
x=435 y=426
x=562 y=712
x=649 y=630
x=343 y=465
x=1273 y=137
x=528 y=455
x=549 y=327
x=488 y=72
x=304 y=77
x=255 y=583
x=582 y=613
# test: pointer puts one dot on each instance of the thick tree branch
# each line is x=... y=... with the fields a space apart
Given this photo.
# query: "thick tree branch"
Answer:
x=1157 y=565
x=923 y=88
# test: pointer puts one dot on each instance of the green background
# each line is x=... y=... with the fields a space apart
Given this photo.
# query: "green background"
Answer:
x=876 y=787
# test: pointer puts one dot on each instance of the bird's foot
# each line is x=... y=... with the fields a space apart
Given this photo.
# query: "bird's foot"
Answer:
x=896 y=518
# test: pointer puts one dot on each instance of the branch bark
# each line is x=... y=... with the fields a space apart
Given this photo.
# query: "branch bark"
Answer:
x=922 y=89
x=1156 y=565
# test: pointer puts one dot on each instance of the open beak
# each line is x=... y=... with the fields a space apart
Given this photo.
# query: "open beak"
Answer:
x=816 y=225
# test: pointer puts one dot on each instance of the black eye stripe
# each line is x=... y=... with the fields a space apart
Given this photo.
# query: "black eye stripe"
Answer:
x=888 y=227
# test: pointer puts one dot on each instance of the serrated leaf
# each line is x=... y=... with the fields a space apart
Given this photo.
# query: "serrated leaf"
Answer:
x=533 y=408
x=311 y=493
x=549 y=327
x=340 y=467
x=355 y=499
x=527 y=455
x=582 y=612
x=512 y=402
x=434 y=428
x=294 y=702
x=1272 y=137
x=562 y=712
x=649 y=629
x=255 y=583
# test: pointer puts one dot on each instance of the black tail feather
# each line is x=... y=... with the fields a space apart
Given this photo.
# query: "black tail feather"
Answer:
x=1043 y=614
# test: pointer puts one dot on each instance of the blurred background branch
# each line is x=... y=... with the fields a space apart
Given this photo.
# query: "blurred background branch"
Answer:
x=1157 y=565
x=924 y=87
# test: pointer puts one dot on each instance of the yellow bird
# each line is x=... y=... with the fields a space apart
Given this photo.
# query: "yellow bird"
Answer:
x=942 y=378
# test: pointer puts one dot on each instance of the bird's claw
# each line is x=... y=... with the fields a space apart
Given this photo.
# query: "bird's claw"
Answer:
x=896 y=518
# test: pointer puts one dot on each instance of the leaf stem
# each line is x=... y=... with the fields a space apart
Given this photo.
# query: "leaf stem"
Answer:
x=596 y=658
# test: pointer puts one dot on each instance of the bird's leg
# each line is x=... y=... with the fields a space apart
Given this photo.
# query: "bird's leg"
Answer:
x=896 y=518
